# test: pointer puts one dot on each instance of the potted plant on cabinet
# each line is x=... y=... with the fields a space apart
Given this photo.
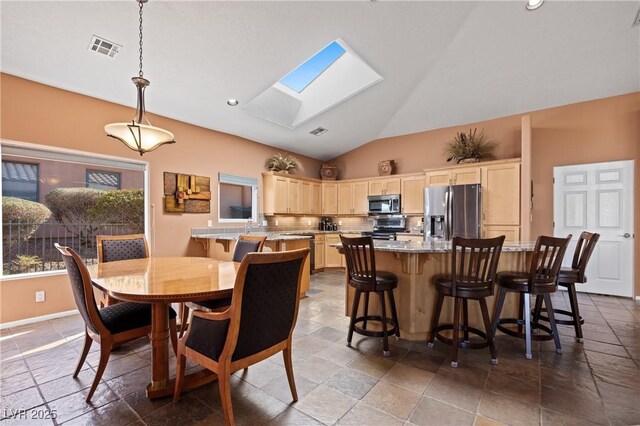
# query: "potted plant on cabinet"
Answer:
x=283 y=163
x=470 y=147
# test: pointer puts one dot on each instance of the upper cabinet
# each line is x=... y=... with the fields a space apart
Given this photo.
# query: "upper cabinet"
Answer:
x=454 y=176
x=412 y=194
x=311 y=197
x=384 y=186
x=329 y=198
x=501 y=194
x=352 y=198
x=290 y=195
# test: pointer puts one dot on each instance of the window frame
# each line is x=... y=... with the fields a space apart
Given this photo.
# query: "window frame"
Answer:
x=117 y=174
x=243 y=181
x=37 y=178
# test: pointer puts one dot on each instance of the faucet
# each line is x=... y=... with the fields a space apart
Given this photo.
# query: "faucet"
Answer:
x=250 y=223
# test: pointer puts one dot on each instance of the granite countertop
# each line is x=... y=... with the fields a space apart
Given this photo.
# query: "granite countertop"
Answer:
x=436 y=246
x=271 y=236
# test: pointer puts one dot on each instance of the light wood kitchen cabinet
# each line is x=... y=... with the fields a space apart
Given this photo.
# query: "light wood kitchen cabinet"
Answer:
x=310 y=197
x=319 y=251
x=293 y=196
x=412 y=194
x=501 y=194
x=511 y=233
x=352 y=198
x=329 y=198
x=275 y=195
x=332 y=257
x=384 y=186
x=454 y=176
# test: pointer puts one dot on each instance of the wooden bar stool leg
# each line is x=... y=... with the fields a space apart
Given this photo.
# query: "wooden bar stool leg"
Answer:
x=487 y=329
x=552 y=322
x=435 y=319
x=366 y=310
x=456 y=330
x=498 y=310
x=575 y=310
x=527 y=324
x=465 y=319
x=537 y=310
x=394 y=313
x=520 y=311
x=354 y=315
x=385 y=334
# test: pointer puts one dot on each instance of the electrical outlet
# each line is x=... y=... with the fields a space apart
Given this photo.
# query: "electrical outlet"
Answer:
x=39 y=296
x=308 y=222
x=265 y=223
x=209 y=223
x=340 y=223
x=276 y=222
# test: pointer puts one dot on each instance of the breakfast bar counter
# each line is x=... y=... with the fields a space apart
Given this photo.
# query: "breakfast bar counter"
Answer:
x=416 y=263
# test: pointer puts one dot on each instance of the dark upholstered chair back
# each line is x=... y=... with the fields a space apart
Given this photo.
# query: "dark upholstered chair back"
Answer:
x=361 y=260
x=269 y=304
x=546 y=261
x=121 y=247
x=82 y=288
x=247 y=244
x=474 y=263
x=584 y=249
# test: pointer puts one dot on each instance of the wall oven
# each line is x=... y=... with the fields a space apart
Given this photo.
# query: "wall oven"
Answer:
x=384 y=204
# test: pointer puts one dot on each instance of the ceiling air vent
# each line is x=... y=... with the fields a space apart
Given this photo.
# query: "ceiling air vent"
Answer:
x=104 y=47
x=319 y=131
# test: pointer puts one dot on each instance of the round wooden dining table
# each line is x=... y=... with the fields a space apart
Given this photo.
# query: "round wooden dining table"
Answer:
x=161 y=281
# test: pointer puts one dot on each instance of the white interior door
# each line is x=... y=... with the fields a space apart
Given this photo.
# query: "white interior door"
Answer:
x=598 y=197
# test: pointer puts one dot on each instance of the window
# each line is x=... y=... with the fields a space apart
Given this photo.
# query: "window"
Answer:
x=103 y=180
x=237 y=200
x=68 y=197
x=20 y=180
x=302 y=76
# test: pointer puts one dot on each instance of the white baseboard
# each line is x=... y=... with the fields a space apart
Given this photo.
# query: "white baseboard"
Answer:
x=37 y=319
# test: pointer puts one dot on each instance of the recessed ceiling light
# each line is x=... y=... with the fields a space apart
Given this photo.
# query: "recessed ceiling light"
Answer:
x=232 y=102
x=533 y=4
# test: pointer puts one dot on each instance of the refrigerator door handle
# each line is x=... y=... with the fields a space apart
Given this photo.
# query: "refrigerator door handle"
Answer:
x=448 y=223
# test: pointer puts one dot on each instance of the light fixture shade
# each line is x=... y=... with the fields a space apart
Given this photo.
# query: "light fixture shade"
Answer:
x=533 y=4
x=139 y=137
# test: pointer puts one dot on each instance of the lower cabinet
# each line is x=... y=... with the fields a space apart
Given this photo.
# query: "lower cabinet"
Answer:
x=332 y=257
x=319 y=251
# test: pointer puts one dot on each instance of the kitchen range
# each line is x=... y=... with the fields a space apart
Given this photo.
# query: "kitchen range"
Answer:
x=384 y=210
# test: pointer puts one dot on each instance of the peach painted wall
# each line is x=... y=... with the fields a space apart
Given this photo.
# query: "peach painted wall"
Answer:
x=39 y=114
x=588 y=132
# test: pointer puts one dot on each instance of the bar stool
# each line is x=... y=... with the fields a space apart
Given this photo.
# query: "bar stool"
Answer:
x=541 y=281
x=473 y=270
x=568 y=277
x=365 y=279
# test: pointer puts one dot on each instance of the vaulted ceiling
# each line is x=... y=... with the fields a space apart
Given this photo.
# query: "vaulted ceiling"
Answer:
x=443 y=63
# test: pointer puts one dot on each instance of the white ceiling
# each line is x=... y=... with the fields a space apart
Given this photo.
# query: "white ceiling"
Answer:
x=444 y=63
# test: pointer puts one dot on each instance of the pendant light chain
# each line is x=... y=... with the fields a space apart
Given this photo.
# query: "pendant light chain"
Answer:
x=140 y=73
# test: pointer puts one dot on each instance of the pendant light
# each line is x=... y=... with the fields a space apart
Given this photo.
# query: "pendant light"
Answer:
x=139 y=135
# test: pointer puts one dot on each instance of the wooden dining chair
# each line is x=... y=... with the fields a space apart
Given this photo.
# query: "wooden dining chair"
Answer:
x=110 y=326
x=258 y=324
x=244 y=244
x=119 y=247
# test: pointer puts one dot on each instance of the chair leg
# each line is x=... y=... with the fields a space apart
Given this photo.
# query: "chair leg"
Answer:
x=181 y=361
x=288 y=365
x=520 y=311
x=465 y=319
x=183 y=313
x=173 y=335
x=354 y=315
x=394 y=313
x=575 y=310
x=537 y=309
x=487 y=329
x=366 y=310
x=456 y=332
x=552 y=322
x=498 y=310
x=85 y=351
x=435 y=320
x=527 y=325
x=225 y=396
x=383 y=315
x=105 y=352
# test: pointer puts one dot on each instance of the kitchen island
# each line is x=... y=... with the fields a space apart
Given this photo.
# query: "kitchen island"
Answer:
x=416 y=263
x=221 y=245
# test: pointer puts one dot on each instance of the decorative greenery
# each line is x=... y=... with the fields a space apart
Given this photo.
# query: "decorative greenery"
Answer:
x=29 y=214
x=124 y=206
x=283 y=163
x=25 y=263
x=470 y=146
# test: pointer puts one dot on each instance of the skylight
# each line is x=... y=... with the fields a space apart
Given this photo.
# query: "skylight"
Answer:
x=302 y=76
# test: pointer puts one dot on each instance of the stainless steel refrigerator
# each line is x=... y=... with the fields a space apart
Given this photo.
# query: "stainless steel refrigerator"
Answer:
x=452 y=211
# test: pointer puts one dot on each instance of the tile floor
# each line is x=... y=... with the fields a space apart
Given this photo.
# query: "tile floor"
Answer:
x=597 y=381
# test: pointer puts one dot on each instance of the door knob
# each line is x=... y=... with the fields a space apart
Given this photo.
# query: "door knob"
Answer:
x=625 y=235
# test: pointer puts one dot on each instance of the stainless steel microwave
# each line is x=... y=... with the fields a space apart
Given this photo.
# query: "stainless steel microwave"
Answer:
x=384 y=204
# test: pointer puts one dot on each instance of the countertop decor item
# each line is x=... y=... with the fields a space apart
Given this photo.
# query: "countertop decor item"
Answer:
x=386 y=167
x=329 y=172
x=283 y=163
x=469 y=147
x=186 y=193
x=139 y=135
